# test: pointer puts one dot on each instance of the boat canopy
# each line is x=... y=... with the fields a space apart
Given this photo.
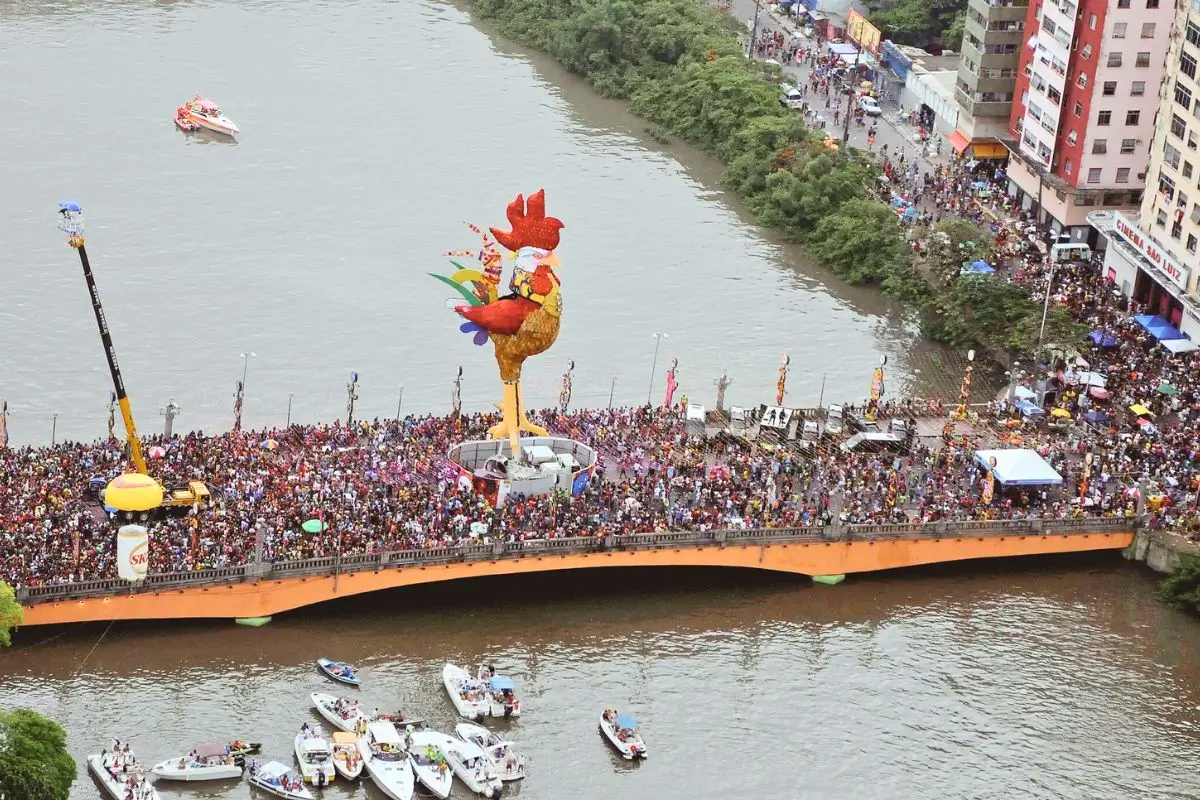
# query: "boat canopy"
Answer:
x=343 y=737
x=384 y=733
x=503 y=684
x=272 y=770
x=209 y=750
x=315 y=745
x=626 y=722
x=204 y=104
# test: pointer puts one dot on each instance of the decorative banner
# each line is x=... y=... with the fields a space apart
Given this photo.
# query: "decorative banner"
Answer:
x=3 y=424
x=862 y=33
x=989 y=483
x=564 y=394
x=112 y=415
x=237 y=408
x=133 y=552
x=456 y=394
x=964 y=395
x=672 y=383
x=781 y=384
x=877 y=390
x=520 y=325
x=1087 y=474
x=775 y=417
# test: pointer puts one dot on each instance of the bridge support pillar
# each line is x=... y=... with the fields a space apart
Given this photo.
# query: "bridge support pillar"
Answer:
x=828 y=580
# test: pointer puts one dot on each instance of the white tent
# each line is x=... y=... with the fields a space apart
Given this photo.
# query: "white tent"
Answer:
x=1018 y=467
x=1178 y=346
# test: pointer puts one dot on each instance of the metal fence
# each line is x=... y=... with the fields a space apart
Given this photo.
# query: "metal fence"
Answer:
x=402 y=559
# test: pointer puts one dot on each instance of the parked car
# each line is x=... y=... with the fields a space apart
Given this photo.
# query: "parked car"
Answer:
x=870 y=106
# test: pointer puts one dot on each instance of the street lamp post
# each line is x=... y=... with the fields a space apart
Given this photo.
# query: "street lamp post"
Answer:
x=1046 y=303
x=399 y=403
x=291 y=396
x=240 y=397
x=612 y=387
x=754 y=29
x=658 y=337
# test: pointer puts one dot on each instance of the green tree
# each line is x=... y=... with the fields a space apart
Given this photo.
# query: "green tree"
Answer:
x=951 y=244
x=1181 y=589
x=861 y=241
x=34 y=762
x=11 y=613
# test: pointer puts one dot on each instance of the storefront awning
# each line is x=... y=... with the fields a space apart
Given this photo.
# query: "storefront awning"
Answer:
x=989 y=150
x=958 y=141
x=1179 y=345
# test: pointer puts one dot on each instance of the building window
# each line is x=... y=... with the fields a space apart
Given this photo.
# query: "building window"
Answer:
x=1104 y=118
x=1122 y=3
x=1161 y=219
x=1133 y=117
x=1072 y=137
x=1151 y=3
x=1191 y=243
x=1069 y=166
x=1171 y=156
x=1099 y=146
x=1178 y=126
x=1143 y=60
x=1138 y=88
x=1082 y=80
x=1093 y=175
x=1110 y=88
x=1148 y=27
x=1183 y=96
x=1187 y=64
x=1114 y=59
x=1191 y=140
x=1084 y=200
x=1128 y=146
x=1091 y=22
x=1187 y=169
x=1193 y=33
x=1078 y=109
x=1119 y=30
x=1123 y=175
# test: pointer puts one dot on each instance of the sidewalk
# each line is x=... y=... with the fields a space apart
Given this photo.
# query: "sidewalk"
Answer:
x=894 y=135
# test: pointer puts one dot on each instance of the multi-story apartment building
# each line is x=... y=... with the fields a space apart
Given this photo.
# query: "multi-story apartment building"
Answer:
x=1152 y=256
x=987 y=74
x=1083 y=120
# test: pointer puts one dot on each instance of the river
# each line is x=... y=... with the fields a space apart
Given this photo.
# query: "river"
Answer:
x=1047 y=679
x=371 y=130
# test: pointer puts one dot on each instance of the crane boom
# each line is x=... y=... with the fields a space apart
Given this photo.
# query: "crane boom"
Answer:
x=135 y=444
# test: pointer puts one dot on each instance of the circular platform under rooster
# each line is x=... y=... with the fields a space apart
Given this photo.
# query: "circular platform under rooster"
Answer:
x=547 y=463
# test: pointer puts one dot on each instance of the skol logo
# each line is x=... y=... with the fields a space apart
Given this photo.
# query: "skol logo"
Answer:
x=139 y=559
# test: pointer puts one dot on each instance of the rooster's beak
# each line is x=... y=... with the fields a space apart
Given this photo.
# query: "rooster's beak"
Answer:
x=550 y=260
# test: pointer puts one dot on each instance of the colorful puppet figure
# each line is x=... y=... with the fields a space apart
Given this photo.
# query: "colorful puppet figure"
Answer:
x=521 y=324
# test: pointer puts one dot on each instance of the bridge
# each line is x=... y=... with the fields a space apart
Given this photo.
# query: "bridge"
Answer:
x=265 y=589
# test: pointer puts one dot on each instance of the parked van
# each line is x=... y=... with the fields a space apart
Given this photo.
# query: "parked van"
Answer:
x=790 y=97
x=1070 y=251
x=834 y=424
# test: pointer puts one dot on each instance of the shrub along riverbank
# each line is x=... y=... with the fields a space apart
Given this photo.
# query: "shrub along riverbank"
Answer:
x=680 y=65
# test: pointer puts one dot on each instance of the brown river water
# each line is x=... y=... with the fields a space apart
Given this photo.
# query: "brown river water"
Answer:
x=1044 y=679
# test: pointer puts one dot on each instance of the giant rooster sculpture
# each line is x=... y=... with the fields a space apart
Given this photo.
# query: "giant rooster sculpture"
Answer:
x=523 y=323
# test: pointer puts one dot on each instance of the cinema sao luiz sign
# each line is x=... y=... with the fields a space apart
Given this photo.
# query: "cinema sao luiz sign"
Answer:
x=1175 y=272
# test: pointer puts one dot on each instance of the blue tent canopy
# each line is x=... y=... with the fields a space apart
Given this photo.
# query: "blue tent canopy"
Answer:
x=978 y=267
x=1028 y=409
x=503 y=684
x=1103 y=339
x=1158 y=327
x=1018 y=467
x=70 y=205
x=626 y=722
x=1095 y=417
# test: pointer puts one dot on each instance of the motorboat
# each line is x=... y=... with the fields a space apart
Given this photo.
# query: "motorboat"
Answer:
x=279 y=780
x=467 y=761
x=342 y=713
x=121 y=775
x=429 y=761
x=621 y=730
x=467 y=693
x=205 y=113
x=346 y=759
x=239 y=748
x=206 y=762
x=386 y=760
x=315 y=754
x=342 y=673
x=509 y=764
x=501 y=692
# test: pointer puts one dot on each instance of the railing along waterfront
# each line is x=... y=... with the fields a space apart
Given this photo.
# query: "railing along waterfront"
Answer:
x=496 y=551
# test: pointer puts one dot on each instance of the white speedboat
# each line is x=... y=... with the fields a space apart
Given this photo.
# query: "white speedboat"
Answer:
x=429 y=761
x=501 y=692
x=471 y=764
x=346 y=759
x=207 y=114
x=121 y=775
x=342 y=713
x=468 y=695
x=315 y=754
x=206 y=762
x=621 y=730
x=279 y=780
x=509 y=764
x=386 y=760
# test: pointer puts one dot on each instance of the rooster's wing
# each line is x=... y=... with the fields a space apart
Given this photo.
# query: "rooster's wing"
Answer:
x=503 y=317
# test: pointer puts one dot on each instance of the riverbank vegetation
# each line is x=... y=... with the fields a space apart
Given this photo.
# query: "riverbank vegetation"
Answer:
x=681 y=66
x=11 y=613
x=1181 y=589
x=34 y=761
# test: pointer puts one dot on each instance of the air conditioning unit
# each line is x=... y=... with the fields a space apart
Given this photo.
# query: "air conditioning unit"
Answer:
x=1141 y=176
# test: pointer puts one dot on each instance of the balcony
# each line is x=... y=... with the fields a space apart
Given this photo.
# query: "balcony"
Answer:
x=979 y=109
